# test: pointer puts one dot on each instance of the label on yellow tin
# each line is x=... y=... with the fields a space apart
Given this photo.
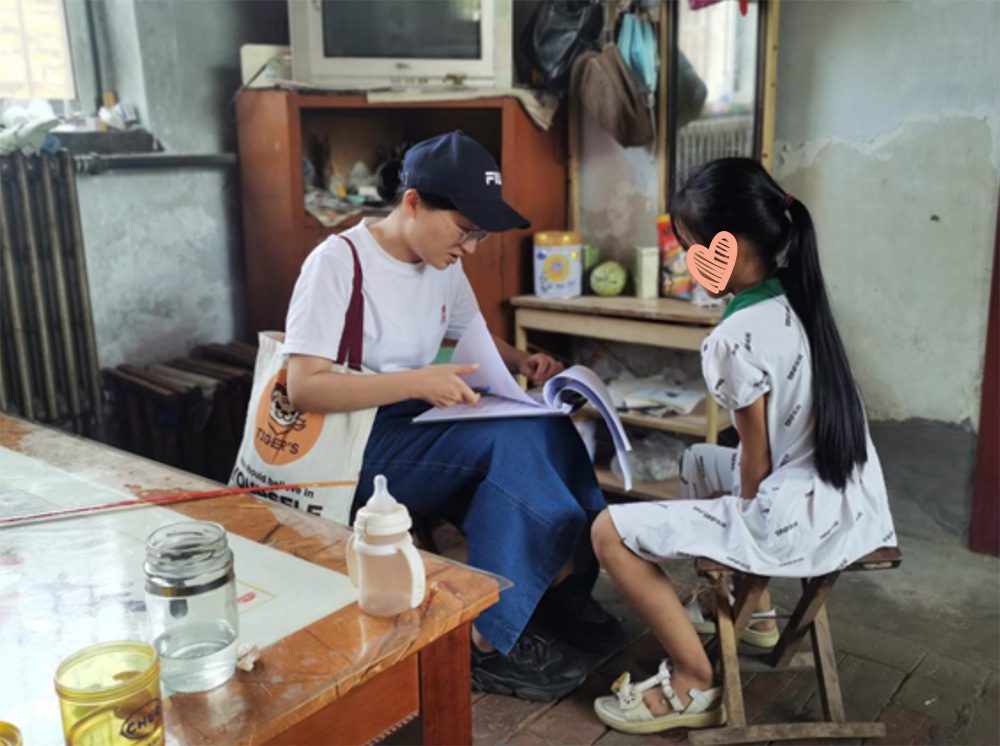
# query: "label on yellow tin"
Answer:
x=556 y=267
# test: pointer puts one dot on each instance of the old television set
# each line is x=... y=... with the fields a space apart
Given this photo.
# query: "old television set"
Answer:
x=372 y=44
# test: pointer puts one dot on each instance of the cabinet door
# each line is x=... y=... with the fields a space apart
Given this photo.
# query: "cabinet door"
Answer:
x=485 y=272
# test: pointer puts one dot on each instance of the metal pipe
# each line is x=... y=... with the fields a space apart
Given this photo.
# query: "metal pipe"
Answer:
x=8 y=191
x=8 y=359
x=38 y=167
x=96 y=164
x=35 y=285
x=5 y=403
x=91 y=370
x=64 y=311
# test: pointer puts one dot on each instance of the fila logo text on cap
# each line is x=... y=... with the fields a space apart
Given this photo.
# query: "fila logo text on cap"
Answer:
x=493 y=177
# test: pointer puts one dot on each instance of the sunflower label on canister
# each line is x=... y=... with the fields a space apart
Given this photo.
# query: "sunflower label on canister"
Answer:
x=558 y=264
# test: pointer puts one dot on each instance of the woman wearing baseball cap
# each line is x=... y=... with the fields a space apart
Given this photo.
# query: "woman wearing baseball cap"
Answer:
x=522 y=490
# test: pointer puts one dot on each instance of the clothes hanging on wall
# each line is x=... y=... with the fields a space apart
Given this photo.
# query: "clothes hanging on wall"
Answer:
x=699 y=4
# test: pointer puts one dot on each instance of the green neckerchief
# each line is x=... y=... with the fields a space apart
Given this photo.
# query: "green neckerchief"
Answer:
x=768 y=288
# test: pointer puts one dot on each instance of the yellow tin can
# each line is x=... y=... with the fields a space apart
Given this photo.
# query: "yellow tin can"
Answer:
x=558 y=264
x=109 y=694
x=10 y=735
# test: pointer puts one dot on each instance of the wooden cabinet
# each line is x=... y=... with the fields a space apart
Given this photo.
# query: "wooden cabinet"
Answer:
x=277 y=128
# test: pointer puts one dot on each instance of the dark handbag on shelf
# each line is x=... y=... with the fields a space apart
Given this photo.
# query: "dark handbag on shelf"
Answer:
x=557 y=33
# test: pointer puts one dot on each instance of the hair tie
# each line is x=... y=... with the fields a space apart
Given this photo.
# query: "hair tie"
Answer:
x=789 y=199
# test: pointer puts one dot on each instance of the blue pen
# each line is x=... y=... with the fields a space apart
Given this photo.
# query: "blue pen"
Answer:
x=483 y=390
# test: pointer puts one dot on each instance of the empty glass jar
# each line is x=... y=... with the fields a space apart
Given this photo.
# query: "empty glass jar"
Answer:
x=191 y=604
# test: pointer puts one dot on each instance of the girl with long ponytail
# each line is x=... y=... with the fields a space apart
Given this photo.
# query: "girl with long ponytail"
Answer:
x=839 y=417
x=803 y=495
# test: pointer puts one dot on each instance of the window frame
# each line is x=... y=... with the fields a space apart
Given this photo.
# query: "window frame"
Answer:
x=82 y=63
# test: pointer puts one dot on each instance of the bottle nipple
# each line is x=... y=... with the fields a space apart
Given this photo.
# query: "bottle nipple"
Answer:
x=381 y=501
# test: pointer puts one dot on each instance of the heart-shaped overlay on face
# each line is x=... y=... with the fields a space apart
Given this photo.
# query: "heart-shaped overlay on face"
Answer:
x=712 y=267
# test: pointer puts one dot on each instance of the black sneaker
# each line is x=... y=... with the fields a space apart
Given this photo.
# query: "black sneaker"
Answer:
x=534 y=669
x=569 y=611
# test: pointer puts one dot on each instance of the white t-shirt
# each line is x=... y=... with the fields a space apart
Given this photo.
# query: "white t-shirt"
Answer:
x=409 y=308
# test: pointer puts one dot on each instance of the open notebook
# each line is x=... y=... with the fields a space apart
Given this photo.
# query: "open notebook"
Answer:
x=560 y=396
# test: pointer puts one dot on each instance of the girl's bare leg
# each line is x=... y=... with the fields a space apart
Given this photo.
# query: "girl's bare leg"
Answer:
x=652 y=595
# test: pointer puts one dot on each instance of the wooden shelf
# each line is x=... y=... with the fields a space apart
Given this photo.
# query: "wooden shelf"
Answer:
x=322 y=100
x=312 y=221
x=277 y=128
x=315 y=228
x=695 y=423
x=626 y=307
x=669 y=489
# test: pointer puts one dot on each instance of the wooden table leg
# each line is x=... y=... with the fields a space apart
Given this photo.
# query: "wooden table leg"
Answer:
x=446 y=689
x=711 y=419
x=520 y=343
x=520 y=333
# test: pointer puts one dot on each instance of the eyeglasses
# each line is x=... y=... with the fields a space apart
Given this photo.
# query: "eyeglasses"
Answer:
x=476 y=235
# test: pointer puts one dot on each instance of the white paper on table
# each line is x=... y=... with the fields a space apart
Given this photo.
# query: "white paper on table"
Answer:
x=278 y=593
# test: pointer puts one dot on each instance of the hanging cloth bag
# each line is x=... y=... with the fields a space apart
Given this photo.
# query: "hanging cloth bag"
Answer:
x=283 y=446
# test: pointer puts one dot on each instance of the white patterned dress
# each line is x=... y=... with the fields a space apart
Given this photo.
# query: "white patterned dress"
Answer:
x=798 y=525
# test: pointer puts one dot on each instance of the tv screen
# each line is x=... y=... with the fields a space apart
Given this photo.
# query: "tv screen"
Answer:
x=422 y=29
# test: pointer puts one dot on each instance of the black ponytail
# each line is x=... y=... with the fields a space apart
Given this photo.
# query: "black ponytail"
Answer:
x=837 y=411
x=388 y=182
x=739 y=196
x=389 y=185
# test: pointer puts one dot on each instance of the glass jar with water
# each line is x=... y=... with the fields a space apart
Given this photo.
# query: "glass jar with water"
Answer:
x=191 y=604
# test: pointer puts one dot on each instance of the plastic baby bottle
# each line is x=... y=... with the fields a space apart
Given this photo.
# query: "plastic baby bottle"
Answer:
x=381 y=559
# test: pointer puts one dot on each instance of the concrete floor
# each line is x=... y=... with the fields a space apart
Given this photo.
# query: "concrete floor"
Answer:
x=917 y=646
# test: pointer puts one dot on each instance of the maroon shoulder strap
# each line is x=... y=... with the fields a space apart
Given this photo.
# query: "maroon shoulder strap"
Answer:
x=352 y=338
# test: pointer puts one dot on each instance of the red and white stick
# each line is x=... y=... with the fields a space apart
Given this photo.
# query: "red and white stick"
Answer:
x=161 y=500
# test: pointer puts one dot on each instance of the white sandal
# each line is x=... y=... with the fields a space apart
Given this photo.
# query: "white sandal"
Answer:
x=627 y=712
x=758 y=638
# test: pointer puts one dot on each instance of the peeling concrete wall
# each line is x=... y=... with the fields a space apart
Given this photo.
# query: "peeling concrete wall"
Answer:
x=163 y=260
x=618 y=194
x=888 y=129
x=164 y=246
x=193 y=64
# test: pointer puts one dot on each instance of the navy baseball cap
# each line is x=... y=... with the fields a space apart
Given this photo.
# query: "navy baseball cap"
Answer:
x=459 y=168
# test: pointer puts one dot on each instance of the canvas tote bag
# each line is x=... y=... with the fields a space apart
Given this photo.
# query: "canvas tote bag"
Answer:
x=283 y=446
